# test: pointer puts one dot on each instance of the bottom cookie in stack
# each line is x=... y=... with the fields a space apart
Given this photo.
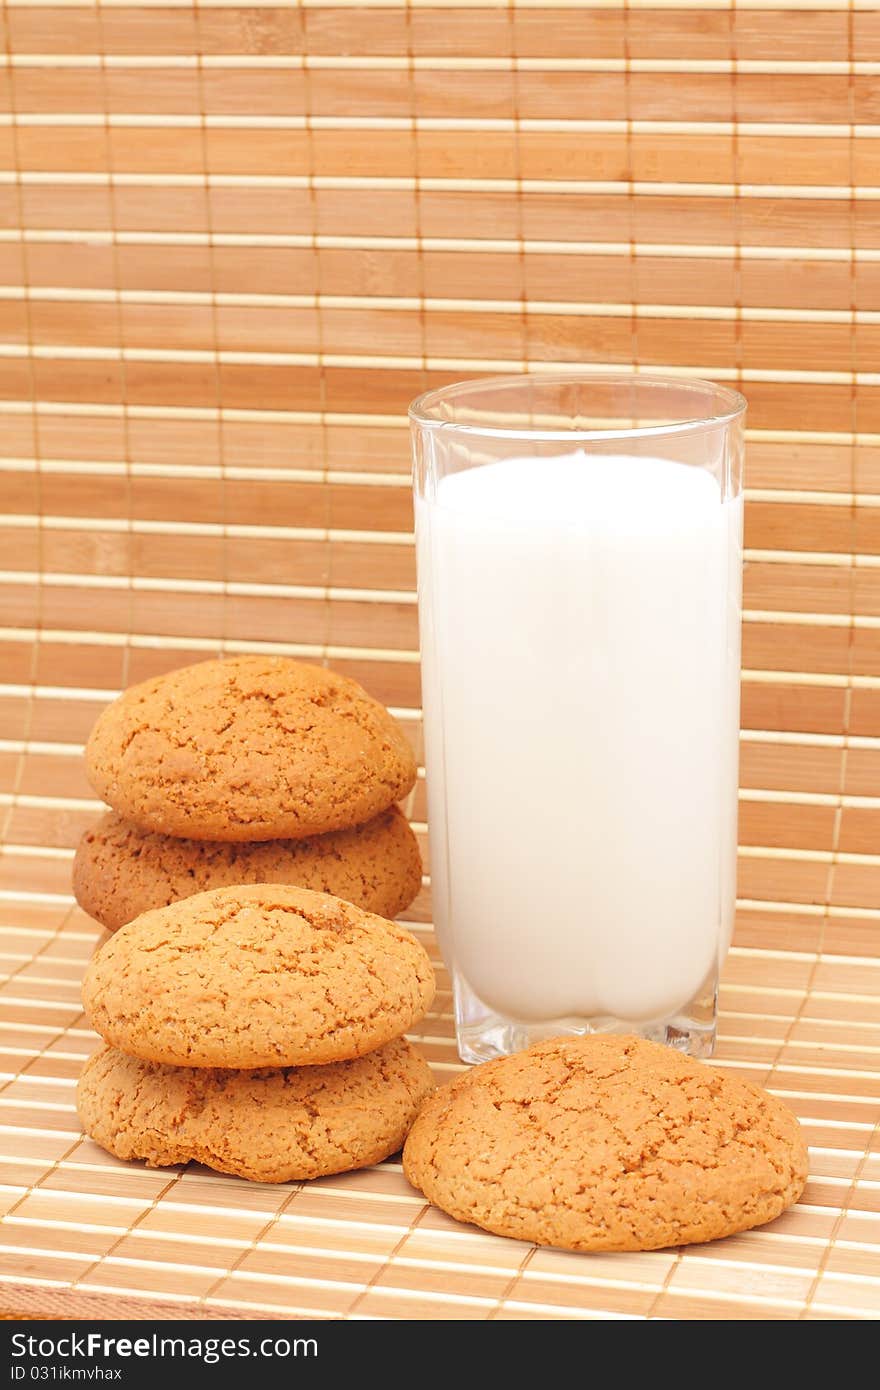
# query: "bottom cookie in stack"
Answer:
x=282 y=1124
x=120 y=871
x=256 y=1029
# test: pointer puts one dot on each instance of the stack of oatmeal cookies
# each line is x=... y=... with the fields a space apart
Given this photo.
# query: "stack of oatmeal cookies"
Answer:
x=254 y=996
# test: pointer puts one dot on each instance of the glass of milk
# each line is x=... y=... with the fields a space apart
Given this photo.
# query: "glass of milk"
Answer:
x=579 y=544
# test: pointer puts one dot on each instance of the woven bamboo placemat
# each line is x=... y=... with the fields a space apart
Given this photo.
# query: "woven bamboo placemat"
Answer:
x=85 y=1235
x=236 y=240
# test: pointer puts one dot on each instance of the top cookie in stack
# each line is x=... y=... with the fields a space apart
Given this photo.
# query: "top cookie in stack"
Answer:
x=249 y=770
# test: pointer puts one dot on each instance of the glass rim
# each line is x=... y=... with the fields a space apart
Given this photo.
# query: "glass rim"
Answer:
x=420 y=410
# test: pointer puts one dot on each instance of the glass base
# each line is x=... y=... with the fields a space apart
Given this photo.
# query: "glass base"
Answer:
x=483 y=1034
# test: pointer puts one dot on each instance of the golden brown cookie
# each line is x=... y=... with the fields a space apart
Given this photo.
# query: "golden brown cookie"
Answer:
x=278 y=1125
x=120 y=871
x=606 y=1143
x=253 y=748
x=259 y=976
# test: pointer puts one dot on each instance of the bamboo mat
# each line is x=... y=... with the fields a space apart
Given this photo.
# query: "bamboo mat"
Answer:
x=237 y=237
x=82 y=1231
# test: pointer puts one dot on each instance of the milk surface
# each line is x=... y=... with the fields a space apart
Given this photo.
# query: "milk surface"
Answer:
x=580 y=640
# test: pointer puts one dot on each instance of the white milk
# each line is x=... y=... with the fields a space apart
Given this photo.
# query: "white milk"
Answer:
x=580 y=640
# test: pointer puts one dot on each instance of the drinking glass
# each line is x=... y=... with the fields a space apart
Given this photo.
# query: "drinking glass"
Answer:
x=579 y=548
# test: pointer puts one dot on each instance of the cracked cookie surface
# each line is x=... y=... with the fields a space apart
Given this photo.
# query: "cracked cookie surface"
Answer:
x=606 y=1143
x=252 y=748
x=277 y=1125
x=257 y=976
x=121 y=871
